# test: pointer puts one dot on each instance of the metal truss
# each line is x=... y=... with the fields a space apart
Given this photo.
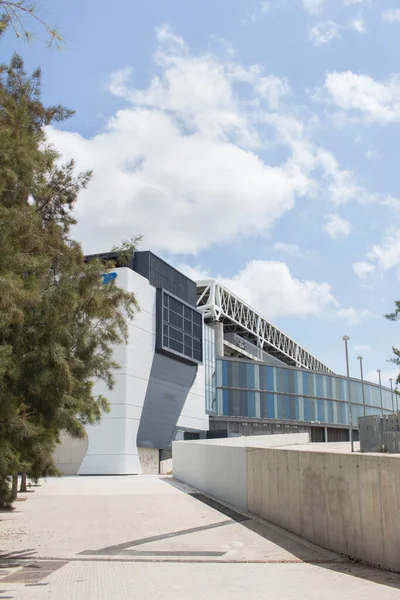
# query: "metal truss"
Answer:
x=219 y=304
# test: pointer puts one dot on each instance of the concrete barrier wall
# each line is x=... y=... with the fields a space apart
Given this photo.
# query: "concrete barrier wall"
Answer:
x=217 y=470
x=349 y=503
x=260 y=441
x=219 y=467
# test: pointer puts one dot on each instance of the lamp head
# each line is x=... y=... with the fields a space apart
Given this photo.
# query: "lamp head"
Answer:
x=346 y=338
x=359 y=357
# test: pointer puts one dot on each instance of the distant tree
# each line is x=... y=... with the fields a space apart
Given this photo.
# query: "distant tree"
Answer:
x=16 y=14
x=58 y=320
x=395 y=316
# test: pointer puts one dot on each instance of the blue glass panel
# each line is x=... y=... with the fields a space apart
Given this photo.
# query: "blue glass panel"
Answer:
x=305 y=384
x=321 y=411
x=270 y=379
x=251 y=399
x=224 y=372
x=263 y=377
x=242 y=375
x=286 y=375
x=225 y=403
x=281 y=379
x=311 y=384
x=292 y=382
x=331 y=418
x=293 y=402
x=281 y=407
x=319 y=386
x=250 y=376
x=307 y=413
x=313 y=409
x=271 y=406
x=329 y=390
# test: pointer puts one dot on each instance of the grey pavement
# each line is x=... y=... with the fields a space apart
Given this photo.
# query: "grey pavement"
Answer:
x=152 y=537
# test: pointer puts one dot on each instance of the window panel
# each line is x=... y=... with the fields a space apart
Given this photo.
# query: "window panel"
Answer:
x=175 y=334
x=197 y=331
x=176 y=346
x=175 y=331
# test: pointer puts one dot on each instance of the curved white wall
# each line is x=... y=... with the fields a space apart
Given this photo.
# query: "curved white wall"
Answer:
x=112 y=443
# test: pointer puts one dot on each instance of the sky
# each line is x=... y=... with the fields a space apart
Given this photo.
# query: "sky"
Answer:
x=256 y=142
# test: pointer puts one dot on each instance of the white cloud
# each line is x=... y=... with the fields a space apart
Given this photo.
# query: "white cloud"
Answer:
x=382 y=257
x=225 y=44
x=313 y=6
x=358 y=25
x=324 y=33
x=119 y=80
x=183 y=163
x=269 y=287
x=392 y=15
x=387 y=254
x=372 y=154
x=330 y=182
x=351 y=315
x=196 y=273
x=361 y=94
x=352 y=2
x=178 y=164
x=337 y=227
x=364 y=270
x=263 y=8
x=291 y=250
x=366 y=349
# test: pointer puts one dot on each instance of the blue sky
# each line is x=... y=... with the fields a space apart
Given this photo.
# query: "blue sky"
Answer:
x=255 y=142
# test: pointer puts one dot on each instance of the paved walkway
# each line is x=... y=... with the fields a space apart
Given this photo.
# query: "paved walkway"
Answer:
x=101 y=537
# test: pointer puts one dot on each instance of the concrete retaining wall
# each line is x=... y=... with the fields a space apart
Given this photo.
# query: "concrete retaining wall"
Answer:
x=349 y=503
x=219 y=467
x=215 y=469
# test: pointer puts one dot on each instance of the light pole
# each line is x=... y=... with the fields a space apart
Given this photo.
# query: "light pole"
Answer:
x=380 y=388
x=391 y=390
x=360 y=358
x=346 y=339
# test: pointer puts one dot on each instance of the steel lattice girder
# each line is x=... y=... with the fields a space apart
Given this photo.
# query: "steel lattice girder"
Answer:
x=219 y=304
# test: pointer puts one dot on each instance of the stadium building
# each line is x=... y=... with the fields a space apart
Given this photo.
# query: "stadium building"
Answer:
x=202 y=363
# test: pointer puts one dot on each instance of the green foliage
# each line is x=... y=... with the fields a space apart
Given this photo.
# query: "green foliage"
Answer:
x=17 y=12
x=395 y=316
x=58 y=321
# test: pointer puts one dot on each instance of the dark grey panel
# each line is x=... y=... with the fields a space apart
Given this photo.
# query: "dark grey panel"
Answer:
x=179 y=328
x=161 y=275
x=169 y=385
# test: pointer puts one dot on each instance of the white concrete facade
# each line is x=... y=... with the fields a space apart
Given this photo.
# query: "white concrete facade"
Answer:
x=112 y=444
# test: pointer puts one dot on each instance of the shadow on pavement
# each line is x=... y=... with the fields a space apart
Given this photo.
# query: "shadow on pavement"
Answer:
x=10 y=559
x=303 y=550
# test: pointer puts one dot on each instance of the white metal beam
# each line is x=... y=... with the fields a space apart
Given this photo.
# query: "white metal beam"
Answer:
x=219 y=304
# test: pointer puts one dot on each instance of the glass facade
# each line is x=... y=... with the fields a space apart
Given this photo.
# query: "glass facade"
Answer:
x=209 y=366
x=179 y=328
x=248 y=389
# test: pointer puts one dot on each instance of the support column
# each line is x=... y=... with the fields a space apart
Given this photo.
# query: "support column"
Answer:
x=219 y=338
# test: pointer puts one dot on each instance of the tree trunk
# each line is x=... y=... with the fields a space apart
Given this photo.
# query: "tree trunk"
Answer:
x=14 y=489
x=23 y=487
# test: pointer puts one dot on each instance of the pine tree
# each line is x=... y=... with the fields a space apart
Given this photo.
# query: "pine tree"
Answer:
x=17 y=13
x=58 y=321
x=395 y=316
